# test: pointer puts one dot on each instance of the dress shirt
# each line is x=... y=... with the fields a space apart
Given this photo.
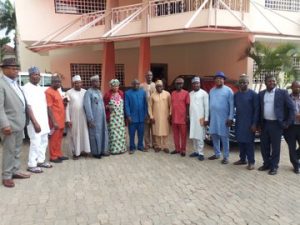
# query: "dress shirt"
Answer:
x=269 y=112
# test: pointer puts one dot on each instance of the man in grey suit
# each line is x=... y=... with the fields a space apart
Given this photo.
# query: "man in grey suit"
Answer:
x=12 y=122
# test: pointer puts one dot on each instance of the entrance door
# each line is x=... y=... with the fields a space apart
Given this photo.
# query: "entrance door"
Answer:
x=160 y=72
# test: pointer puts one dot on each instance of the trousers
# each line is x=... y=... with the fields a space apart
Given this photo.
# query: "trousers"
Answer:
x=37 y=149
x=179 y=135
x=55 y=142
x=133 y=128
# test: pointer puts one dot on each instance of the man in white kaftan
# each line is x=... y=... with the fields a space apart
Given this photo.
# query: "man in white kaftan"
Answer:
x=78 y=135
x=199 y=113
x=38 y=128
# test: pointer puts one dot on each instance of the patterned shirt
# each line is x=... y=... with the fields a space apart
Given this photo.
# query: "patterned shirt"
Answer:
x=296 y=101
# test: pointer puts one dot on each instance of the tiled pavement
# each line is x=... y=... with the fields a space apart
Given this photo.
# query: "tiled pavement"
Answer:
x=153 y=188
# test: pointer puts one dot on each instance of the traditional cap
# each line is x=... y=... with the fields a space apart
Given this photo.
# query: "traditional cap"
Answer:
x=196 y=79
x=244 y=77
x=159 y=82
x=149 y=72
x=220 y=74
x=76 y=78
x=114 y=82
x=96 y=77
x=9 y=62
x=33 y=70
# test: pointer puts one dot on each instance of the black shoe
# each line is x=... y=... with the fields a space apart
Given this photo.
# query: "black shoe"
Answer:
x=97 y=156
x=174 y=152
x=201 y=157
x=131 y=152
x=225 y=161
x=272 y=172
x=58 y=160
x=213 y=157
x=63 y=158
x=240 y=162
x=263 y=168
x=182 y=154
x=194 y=154
x=141 y=149
x=296 y=170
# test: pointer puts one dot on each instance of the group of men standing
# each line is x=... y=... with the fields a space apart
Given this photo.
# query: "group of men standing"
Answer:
x=150 y=111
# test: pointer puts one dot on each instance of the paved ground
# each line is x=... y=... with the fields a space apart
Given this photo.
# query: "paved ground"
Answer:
x=153 y=188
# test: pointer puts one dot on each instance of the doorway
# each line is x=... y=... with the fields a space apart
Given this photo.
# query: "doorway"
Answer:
x=160 y=72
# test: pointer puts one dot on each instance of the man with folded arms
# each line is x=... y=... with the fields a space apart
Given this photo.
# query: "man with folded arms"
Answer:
x=38 y=128
x=12 y=122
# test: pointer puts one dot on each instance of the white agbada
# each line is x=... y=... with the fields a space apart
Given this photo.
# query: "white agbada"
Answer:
x=199 y=108
x=36 y=99
x=78 y=135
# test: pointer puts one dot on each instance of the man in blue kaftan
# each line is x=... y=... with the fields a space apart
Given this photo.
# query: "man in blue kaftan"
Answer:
x=136 y=110
x=246 y=103
x=221 y=116
x=95 y=114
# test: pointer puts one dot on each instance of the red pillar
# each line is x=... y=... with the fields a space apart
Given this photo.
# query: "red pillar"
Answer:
x=108 y=65
x=144 y=58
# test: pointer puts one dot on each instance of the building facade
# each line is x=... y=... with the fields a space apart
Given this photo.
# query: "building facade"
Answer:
x=126 y=38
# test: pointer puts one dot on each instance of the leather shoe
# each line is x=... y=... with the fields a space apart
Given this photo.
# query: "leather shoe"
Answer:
x=174 y=152
x=213 y=157
x=194 y=154
x=201 y=157
x=157 y=149
x=296 y=171
x=56 y=160
x=263 y=168
x=225 y=161
x=250 y=167
x=272 y=172
x=240 y=162
x=8 y=183
x=166 y=150
x=63 y=158
x=20 y=176
x=182 y=154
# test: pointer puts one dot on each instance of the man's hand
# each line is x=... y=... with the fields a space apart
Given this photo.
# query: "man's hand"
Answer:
x=206 y=123
x=69 y=124
x=55 y=125
x=201 y=121
x=6 y=130
x=170 y=119
x=152 y=121
x=253 y=128
x=37 y=128
x=129 y=120
x=91 y=124
x=229 y=123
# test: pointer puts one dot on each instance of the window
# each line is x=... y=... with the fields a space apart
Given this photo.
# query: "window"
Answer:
x=284 y=5
x=86 y=71
x=260 y=78
x=79 y=6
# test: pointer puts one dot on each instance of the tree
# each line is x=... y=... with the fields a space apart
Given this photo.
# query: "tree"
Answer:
x=274 y=60
x=3 y=42
x=8 y=19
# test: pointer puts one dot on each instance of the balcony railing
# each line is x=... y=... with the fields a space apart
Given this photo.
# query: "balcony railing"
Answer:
x=89 y=17
x=121 y=13
x=284 y=5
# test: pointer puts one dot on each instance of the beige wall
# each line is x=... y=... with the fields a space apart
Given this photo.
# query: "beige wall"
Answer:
x=199 y=58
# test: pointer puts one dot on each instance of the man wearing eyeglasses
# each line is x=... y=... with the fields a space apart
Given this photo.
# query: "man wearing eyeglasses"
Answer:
x=12 y=122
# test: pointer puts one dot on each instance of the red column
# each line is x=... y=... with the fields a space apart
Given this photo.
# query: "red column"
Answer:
x=144 y=58
x=108 y=65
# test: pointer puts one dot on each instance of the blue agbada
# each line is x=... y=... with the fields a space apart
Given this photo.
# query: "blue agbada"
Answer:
x=136 y=105
x=247 y=112
x=95 y=113
x=221 y=109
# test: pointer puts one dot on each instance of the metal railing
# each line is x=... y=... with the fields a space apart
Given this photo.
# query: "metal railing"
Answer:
x=121 y=13
x=283 y=5
x=89 y=17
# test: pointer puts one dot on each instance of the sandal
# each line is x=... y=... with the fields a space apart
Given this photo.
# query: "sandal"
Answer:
x=35 y=169
x=45 y=165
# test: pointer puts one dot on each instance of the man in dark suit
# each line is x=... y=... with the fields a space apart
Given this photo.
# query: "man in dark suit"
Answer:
x=276 y=114
x=12 y=122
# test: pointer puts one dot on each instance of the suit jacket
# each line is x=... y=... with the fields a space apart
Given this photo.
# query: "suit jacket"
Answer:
x=12 y=111
x=283 y=107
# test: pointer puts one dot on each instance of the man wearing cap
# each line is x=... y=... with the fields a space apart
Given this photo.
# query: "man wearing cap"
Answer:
x=247 y=113
x=12 y=122
x=136 y=110
x=56 y=114
x=96 y=119
x=221 y=116
x=160 y=111
x=76 y=120
x=277 y=113
x=199 y=114
x=149 y=88
x=38 y=128
x=180 y=101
